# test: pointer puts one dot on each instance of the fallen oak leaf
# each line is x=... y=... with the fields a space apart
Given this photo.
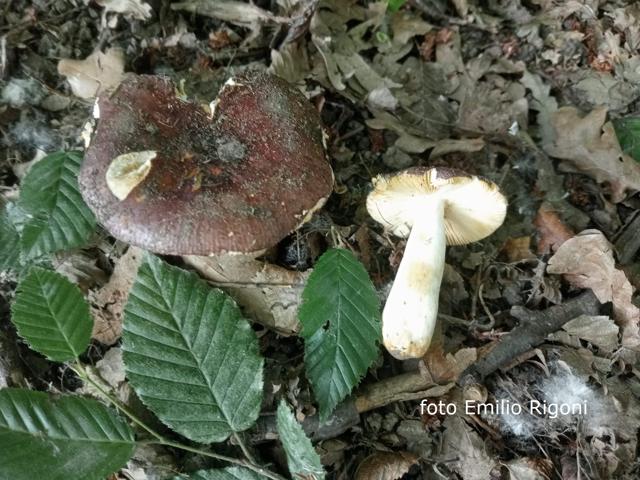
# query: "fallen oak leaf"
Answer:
x=586 y=261
x=592 y=147
x=386 y=466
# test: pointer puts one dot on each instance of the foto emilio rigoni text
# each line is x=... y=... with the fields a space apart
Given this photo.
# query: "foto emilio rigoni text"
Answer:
x=504 y=407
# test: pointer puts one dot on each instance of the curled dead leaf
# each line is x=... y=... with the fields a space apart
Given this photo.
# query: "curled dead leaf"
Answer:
x=445 y=367
x=97 y=73
x=386 y=466
x=586 y=261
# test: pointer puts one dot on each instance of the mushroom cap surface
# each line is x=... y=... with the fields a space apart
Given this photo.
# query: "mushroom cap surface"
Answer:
x=473 y=206
x=237 y=179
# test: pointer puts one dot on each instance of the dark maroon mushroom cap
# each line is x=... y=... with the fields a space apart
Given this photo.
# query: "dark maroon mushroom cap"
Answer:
x=237 y=182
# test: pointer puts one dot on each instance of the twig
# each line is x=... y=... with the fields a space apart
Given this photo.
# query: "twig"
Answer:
x=492 y=321
x=404 y=387
x=628 y=241
x=342 y=419
x=532 y=331
x=408 y=386
x=3 y=55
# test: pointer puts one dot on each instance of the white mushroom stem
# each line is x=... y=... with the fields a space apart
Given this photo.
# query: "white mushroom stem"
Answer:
x=409 y=316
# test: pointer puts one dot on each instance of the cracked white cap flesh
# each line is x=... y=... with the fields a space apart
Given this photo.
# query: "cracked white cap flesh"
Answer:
x=433 y=207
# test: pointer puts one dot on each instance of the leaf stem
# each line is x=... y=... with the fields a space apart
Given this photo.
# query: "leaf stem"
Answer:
x=246 y=464
x=84 y=374
x=250 y=463
x=243 y=447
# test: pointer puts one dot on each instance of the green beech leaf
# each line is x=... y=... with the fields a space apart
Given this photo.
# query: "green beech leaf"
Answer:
x=628 y=132
x=395 y=5
x=9 y=241
x=231 y=473
x=302 y=459
x=51 y=314
x=189 y=354
x=63 y=438
x=340 y=317
x=49 y=193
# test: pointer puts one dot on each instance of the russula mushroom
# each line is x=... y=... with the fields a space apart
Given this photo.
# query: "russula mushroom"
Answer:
x=166 y=175
x=432 y=207
x=177 y=178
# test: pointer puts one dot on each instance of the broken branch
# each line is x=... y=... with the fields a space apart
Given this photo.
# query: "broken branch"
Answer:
x=532 y=331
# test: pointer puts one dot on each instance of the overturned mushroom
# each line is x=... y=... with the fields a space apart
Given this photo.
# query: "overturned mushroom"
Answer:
x=169 y=176
x=432 y=207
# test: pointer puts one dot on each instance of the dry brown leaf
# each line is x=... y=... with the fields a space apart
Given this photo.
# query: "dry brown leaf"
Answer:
x=530 y=469
x=405 y=26
x=586 y=261
x=450 y=145
x=517 y=249
x=108 y=302
x=386 y=466
x=445 y=367
x=95 y=74
x=111 y=367
x=592 y=147
x=493 y=108
x=363 y=238
x=599 y=330
x=80 y=268
x=465 y=451
x=129 y=8
x=552 y=232
x=270 y=294
x=242 y=14
x=301 y=12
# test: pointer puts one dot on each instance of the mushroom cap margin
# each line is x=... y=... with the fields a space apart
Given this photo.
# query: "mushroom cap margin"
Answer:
x=474 y=206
